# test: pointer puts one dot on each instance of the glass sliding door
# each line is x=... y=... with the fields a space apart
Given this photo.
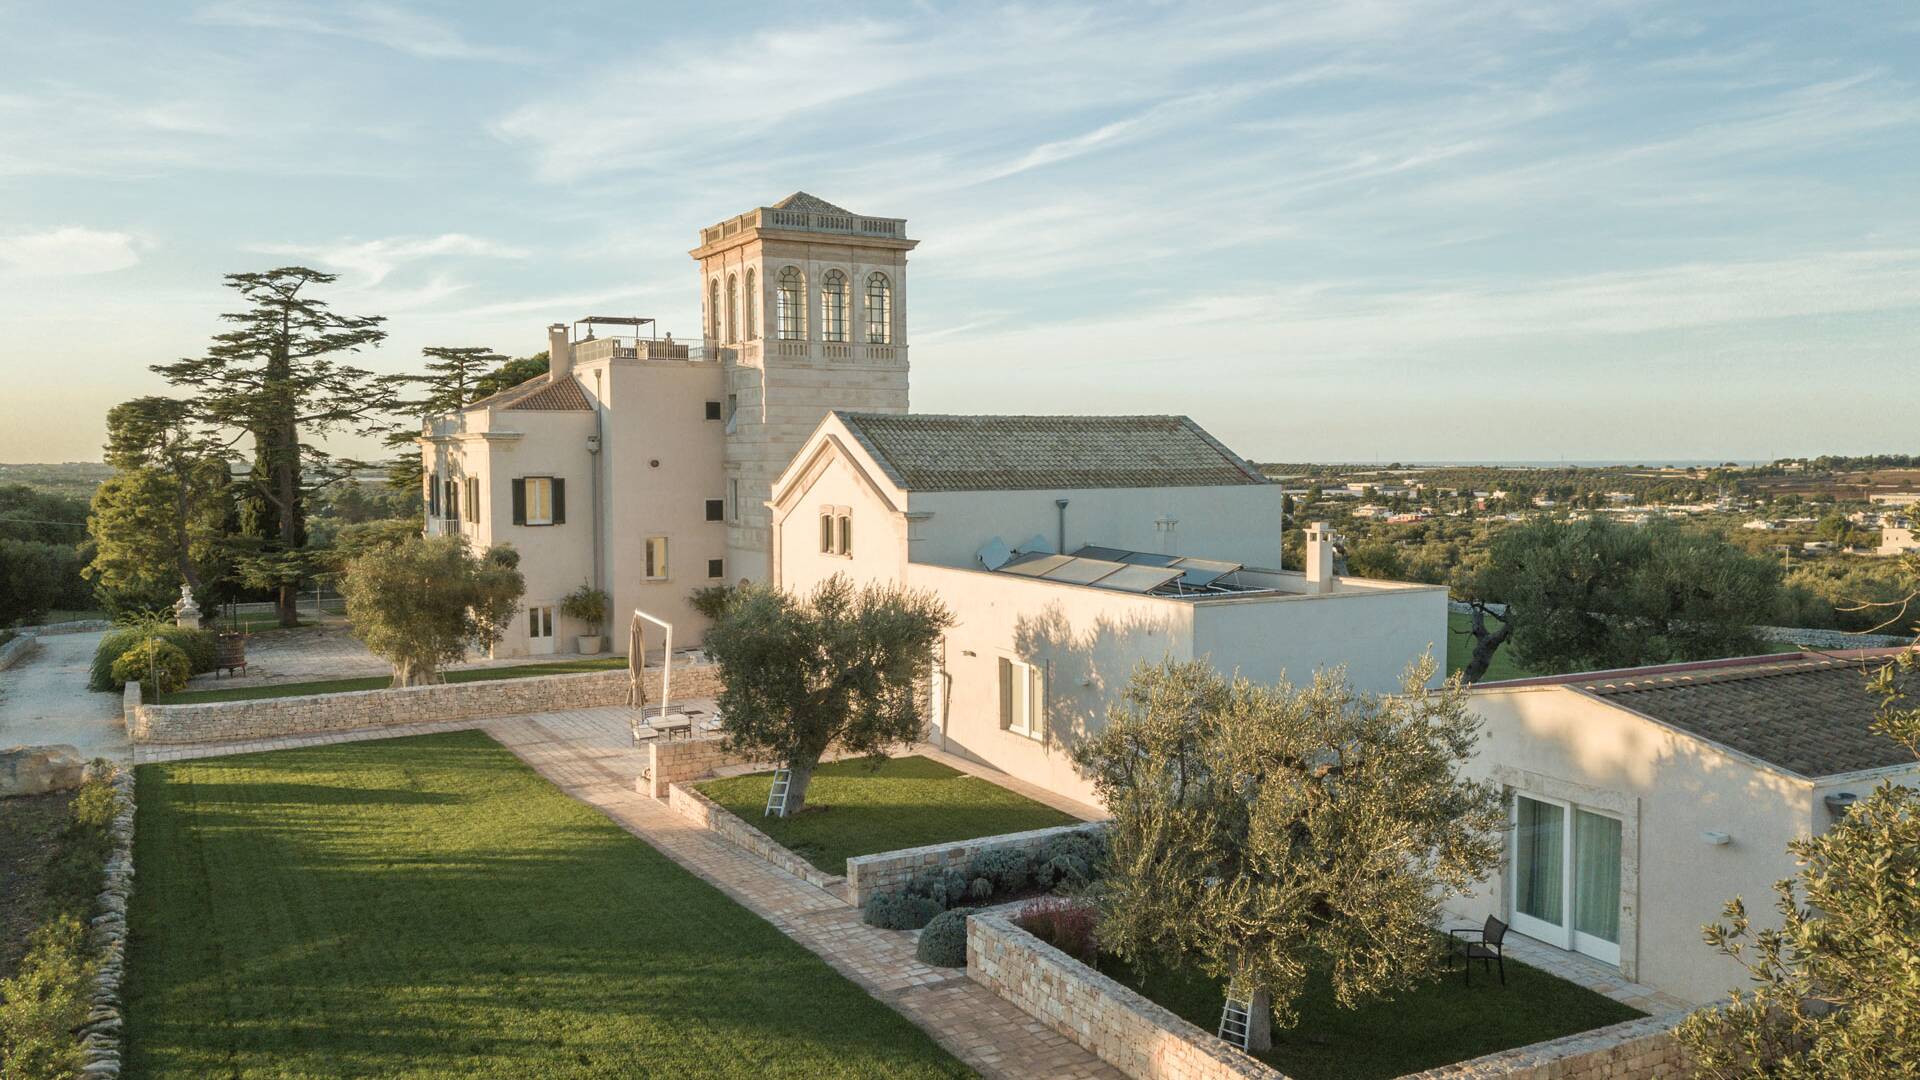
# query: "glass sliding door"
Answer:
x=1539 y=868
x=1566 y=876
x=1596 y=885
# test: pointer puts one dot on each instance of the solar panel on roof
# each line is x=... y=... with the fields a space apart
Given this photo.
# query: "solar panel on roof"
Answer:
x=1138 y=579
x=1200 y=573
x=1147 y=558
x=1090 y=551
x=1035 y=565
x=1083 y=571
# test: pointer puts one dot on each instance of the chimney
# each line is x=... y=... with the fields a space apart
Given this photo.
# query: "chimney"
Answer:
x=1319 y=558
x=559 y=352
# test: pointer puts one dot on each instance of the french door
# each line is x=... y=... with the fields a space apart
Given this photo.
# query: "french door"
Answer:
x=540 y=629
x=1566 y=876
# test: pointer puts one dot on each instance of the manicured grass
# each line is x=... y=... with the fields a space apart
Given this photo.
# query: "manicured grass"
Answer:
x=381 y=682
x=429 y=906
x=911 y=801
x=1437 y=1023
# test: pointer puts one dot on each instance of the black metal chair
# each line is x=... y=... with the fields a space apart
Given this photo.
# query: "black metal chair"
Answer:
x=1484 y=944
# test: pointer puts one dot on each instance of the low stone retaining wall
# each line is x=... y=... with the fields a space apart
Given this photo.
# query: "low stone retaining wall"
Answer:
x=1122 y=1028
x=889 y=871
x=692 y=804
x=77 y=626
x=17 y=650
x=676 y=761
x=1148 y=1042
x=272 y=717
x=101 y=1036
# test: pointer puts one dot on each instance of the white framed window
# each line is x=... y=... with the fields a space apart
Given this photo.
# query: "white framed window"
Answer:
x=833 y=306
x=1023 y=698
x=473 y=498
x=733 y=413
x=733 y=309
x=713 y=309
x=844 y=532
x=790 y=305
x=879 y=309
x=656 y=558
x=539 y=500
x=1566 y=875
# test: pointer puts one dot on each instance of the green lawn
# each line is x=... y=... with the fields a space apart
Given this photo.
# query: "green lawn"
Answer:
x=1437 y=1023
x=852 y=810
x=381 y=682
x=429 y=906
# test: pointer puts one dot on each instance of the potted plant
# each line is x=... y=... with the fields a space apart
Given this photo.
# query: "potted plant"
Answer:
x=589 y=605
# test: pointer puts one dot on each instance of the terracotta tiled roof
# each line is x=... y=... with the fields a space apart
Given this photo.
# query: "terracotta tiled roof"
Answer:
x=922 y=452
x=541 y=393
x=1809 y=714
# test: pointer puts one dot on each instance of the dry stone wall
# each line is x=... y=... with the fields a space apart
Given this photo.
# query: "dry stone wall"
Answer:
x=676 y=761
x=684 y=799
x=889 y=871
x=17 y=650
x=1148 y=1042
x=274 y=717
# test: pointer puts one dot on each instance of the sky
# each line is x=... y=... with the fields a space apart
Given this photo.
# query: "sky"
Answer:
x=1333 y=231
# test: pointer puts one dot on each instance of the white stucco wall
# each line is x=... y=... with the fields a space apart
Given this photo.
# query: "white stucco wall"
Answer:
x=1373 y=629
x=1236 y=522
x=1670 y=788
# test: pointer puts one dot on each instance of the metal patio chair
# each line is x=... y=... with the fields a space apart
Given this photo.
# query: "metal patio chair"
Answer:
x=1484 y=943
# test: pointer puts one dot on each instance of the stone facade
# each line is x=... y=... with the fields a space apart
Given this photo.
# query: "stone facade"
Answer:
x=889 y=871
x=690 y=803
x=1148 y=1042
x=271 y=717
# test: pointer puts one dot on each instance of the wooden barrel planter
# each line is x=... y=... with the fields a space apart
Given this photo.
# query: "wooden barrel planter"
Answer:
x=230 y=654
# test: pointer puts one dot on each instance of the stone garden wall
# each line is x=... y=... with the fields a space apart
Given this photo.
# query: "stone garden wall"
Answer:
x=1124 y=1029
x=889 y=871
x=675 y=761
x=17 y=650
x=1148 y=1042
x=683 y=798
x=273 y=717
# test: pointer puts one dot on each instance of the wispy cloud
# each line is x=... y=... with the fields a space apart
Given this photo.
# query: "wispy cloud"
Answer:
x=68 y=251
x=372 y=261
x=385 y=25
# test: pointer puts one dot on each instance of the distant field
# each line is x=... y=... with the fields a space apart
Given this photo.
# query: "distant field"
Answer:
x=1460 y=650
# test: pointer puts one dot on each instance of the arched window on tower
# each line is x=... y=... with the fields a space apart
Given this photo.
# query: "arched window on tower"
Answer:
x=791 y=305
x=713 y=310
x=753 y=304
x=833 y=306
x=879 y=309
x=733 y=309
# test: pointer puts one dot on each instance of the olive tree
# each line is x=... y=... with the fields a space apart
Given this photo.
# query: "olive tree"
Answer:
x=1265 y=833
x=839 y=667
x=426 y=603
x=1835 y=989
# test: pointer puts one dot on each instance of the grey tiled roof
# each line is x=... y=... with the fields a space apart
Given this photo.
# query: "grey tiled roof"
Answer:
x=1810 y=715
x=800 y=200
x=923 y=452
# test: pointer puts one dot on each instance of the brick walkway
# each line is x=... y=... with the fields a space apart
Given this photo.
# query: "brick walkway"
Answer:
x=587 y=754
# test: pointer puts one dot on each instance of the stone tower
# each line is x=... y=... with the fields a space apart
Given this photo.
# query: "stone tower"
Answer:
x=806 y=305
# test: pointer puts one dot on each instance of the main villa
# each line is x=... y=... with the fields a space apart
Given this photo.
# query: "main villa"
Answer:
x=780 y=448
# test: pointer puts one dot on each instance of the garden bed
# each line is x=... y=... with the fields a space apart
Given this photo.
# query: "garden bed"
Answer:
x=1161 y=1024
x=910 y=802
x=430 y=906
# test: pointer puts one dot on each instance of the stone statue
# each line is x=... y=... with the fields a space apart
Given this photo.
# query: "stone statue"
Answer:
x=185 y=612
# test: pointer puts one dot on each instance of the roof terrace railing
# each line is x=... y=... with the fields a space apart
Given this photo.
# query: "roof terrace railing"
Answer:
x=766 y=217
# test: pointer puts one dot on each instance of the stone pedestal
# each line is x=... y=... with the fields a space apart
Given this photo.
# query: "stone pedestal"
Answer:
x=185 y=612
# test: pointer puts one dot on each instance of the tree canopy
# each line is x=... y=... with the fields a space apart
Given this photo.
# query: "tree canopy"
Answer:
x=1263 y=832
x=1591 y=594
x=839 y=667
x=427 y=602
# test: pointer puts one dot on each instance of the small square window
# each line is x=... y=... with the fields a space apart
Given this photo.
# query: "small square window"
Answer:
x=713 y=410
x=716 y=568
x=716 y=510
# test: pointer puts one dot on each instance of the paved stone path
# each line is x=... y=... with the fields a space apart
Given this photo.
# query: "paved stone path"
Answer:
x=588 y=754
x=45 y=700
